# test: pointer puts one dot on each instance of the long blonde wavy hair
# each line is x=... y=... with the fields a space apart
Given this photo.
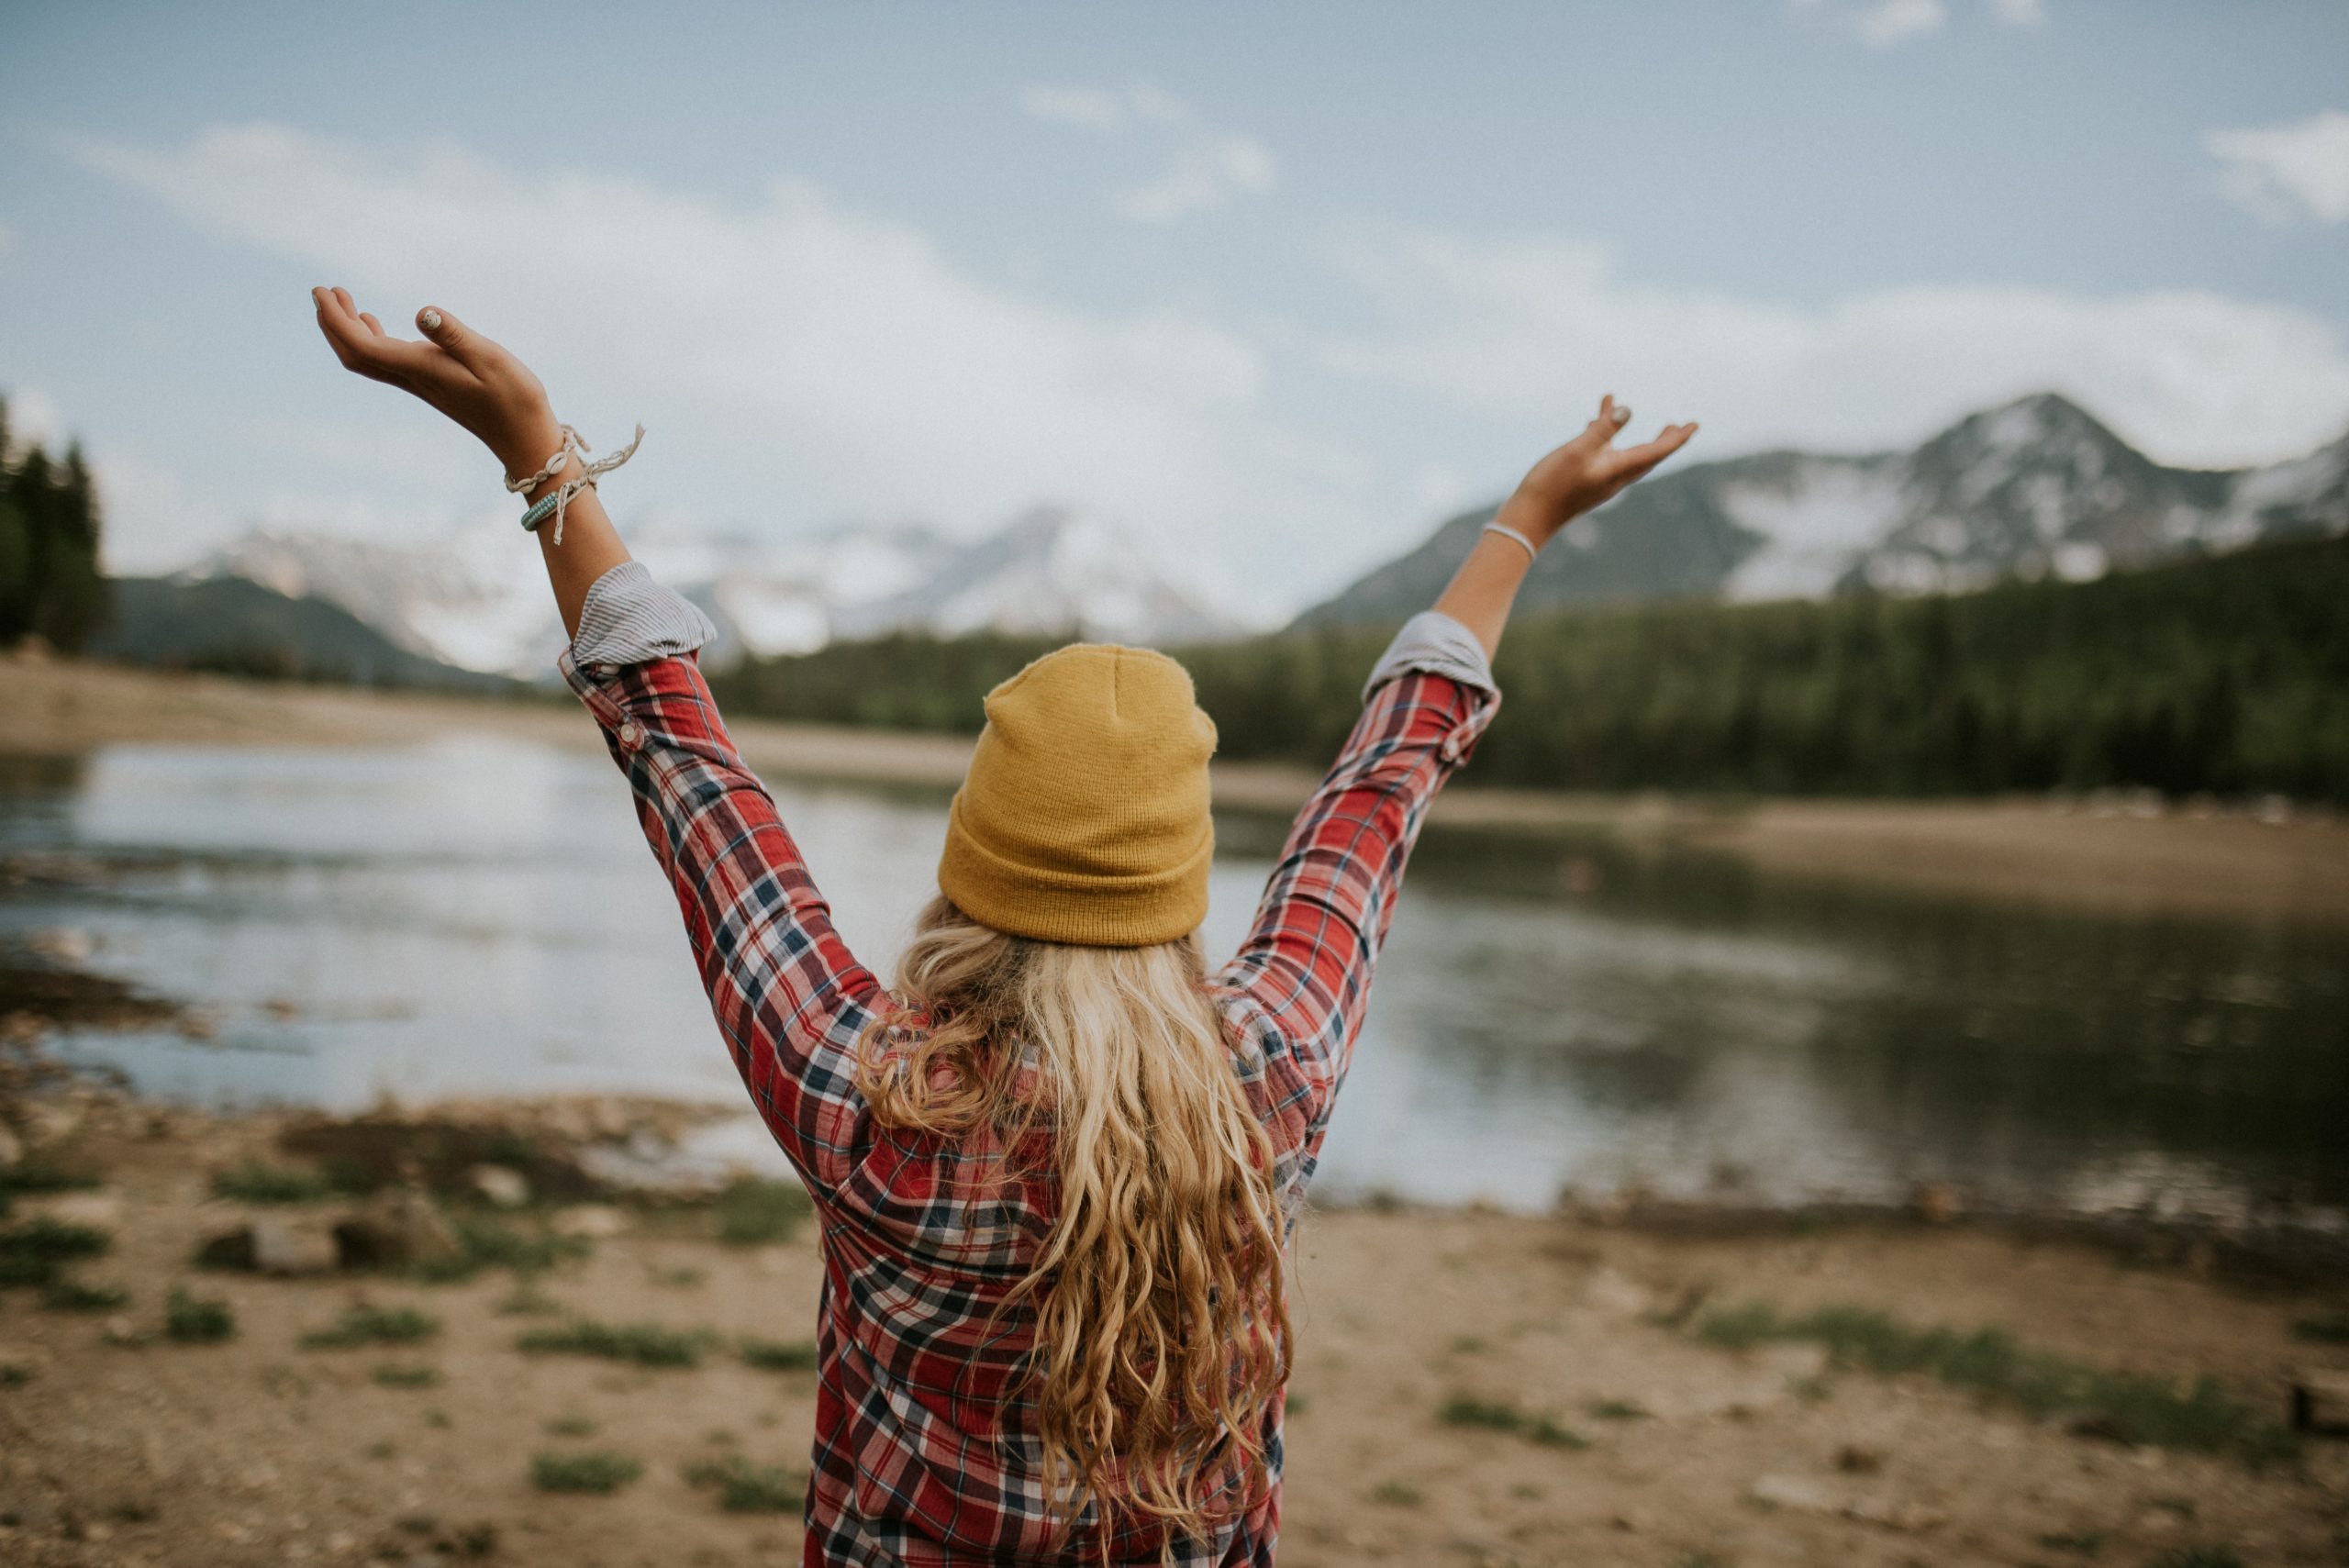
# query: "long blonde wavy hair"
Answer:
x=1162 y=1321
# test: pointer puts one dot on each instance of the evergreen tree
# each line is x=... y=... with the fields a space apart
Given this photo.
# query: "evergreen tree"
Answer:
x=50 y=582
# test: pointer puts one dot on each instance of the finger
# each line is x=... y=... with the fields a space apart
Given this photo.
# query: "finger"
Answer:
x=468 y=348
x=1635 y=462
x=1601 y=430
x=385 y=357
x=374 y=326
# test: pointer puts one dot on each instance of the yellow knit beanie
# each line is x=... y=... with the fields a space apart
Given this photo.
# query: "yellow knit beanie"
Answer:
x=1083 y=817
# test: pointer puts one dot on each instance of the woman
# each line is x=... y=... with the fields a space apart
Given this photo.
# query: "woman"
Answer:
x=1057 y=1168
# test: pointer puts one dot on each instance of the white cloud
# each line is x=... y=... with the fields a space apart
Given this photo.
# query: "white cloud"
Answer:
x=1886 y=23
x=841 y=353
x=2281 y=171
x=1530 y=333
x=1208 y=167
x=1890 y=22
x=32 y=416
x=1881 y=23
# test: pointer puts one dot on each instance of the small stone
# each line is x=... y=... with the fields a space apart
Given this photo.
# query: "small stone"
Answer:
x=1609 y=1292
x=288 y=1244
x=590 y=1221
x=12 y=1148
x=399 y=1226
x=1796 y=1492
x=501 y=1185
x=1937 y=1203
x=102 y=1211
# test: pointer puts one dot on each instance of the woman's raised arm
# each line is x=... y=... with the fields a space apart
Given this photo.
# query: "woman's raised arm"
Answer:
x=1302 y=978
x=789 y=998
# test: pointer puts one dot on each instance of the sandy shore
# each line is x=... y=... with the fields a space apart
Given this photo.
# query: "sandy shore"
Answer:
x=2114 y=857
x=1469 y=1388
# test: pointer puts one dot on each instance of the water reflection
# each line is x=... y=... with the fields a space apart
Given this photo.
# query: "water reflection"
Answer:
x=469 y=915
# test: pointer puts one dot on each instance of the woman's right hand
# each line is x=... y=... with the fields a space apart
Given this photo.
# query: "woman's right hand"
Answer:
x=464 y=375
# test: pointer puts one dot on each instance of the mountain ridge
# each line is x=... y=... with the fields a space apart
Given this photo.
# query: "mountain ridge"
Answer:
x=459 y=601
x=2036 y=486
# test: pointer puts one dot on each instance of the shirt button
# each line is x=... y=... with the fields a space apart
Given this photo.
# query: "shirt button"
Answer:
x=631 y=733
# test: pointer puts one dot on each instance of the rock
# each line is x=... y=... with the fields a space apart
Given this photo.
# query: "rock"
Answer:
x=1796 y=1492
x=1894 y=1514
x=501 y=1185
x=18 y=1362
x=101 y=1211
x=397 y=1227
x=290 y=1245
x=1937 y=1203
x=1792 y=1359
x=1609 y=1292
x=590 y=1221
x=228 y=1249
x=12 y=1148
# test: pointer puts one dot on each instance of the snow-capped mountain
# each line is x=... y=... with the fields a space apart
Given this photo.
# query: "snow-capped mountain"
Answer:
x=2037 y=487
x=461 y=599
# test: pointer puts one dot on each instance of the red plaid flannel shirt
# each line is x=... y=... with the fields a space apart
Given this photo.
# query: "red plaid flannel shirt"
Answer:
x=921 y=1456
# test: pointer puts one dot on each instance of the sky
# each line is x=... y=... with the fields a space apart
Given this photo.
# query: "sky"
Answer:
x=1273 y=286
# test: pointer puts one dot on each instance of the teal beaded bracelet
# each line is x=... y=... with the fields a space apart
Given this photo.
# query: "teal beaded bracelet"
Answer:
x=540 y=510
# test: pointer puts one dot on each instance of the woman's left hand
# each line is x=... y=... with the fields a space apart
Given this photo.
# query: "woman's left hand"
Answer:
x=463 y=375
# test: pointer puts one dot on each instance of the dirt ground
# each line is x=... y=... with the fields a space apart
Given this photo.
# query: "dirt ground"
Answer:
x=2118 y=855
x=1470 y=1388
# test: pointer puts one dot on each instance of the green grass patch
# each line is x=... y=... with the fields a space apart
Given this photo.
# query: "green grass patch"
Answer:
x=645 y=1344
x=72 y=1295
x=362 y=1324
x=2200 y=1557
x=2079 y=1543
x=36 y=1252
x=2324 y=1328
x=197 y=1320
x=1549 y=1434
x=595 y=1471
x=256 y=1183
x=778 y=1355
x=1989 y=1363
x=1614 y=1411
x=395 y=1375
x=45 y=1176
x=528 y=1301
x=753 y=1213
x=1499 y=1416
x=1492 y=1415
x=571 y=1427
x=1397 y=1494
x=746 y=1488
x=487 y=1243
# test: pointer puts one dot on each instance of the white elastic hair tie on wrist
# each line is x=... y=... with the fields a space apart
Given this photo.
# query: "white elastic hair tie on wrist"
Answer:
x=1532 y=552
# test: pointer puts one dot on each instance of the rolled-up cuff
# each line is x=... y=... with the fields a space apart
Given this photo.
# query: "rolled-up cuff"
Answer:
x=1433 y=641
x=629 y=619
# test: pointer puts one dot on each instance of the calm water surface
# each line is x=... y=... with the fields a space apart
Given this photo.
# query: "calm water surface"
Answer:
x=470 y=915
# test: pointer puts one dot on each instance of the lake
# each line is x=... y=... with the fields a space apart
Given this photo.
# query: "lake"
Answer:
x=472 y=916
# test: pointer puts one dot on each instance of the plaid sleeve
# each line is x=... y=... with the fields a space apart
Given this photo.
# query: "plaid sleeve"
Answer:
x=1304 y=973
x=789 y=999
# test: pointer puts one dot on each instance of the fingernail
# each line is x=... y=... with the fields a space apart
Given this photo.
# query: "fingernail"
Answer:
x=1622 y=415
x=430 y=321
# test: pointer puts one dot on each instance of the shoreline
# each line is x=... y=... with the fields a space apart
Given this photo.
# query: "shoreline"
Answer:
x=2119 y=855
x=1469 y=1386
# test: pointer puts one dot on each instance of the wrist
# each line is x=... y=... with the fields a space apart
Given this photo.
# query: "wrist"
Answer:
x=526 y=441
x=1536 y=518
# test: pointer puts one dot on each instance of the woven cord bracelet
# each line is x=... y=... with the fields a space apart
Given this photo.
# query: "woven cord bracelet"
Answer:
x=558 y=499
